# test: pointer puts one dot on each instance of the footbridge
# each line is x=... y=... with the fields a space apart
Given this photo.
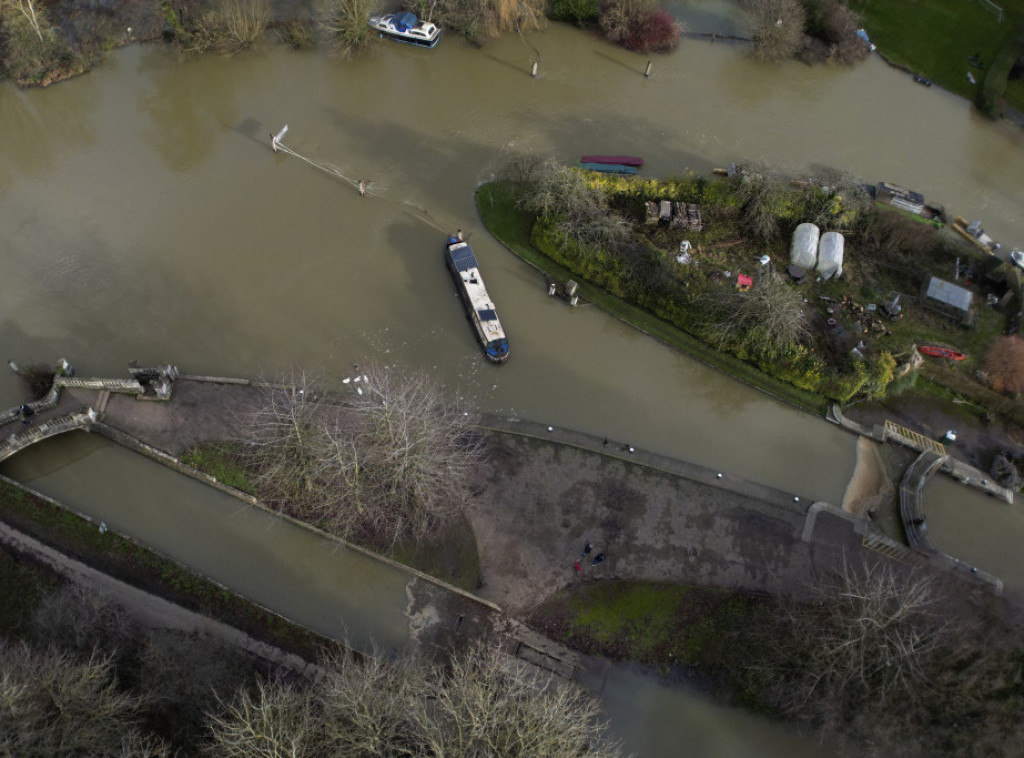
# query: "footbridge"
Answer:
x=56 y=413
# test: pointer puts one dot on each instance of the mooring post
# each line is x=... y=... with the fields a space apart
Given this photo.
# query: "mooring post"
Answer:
x=533 y=69
x=647 y=71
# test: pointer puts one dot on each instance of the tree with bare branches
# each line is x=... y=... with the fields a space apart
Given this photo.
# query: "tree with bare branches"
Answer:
x=867 y=653
x=481 y=703
x=760 y=195
x=53 y=705
x=231 y=26
x=771 y=313
x=345 y=23
x=551 y=189
x=32 y=50
x=1004 y=365
x=484 y=18
x=391 y=462
x=777 y=26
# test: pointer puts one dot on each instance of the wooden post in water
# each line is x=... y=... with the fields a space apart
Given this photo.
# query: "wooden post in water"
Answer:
x=647 y=71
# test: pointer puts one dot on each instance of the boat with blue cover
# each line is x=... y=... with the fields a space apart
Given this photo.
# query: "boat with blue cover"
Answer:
x=465 y=271
x=407 y=27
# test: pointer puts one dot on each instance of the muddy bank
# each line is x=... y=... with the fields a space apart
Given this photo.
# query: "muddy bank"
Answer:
x=870 y=487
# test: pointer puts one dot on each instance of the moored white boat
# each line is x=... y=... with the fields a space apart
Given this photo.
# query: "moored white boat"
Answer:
x=479 y=309
x=407 y=27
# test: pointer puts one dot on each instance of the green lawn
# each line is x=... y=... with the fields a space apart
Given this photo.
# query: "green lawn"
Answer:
x=654 y=623
x=935 y=38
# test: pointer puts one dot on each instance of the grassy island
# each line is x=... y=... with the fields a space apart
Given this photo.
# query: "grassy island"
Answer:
x=722 y=289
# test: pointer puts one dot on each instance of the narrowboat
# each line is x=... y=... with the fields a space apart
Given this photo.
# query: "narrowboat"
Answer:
x=479 y=309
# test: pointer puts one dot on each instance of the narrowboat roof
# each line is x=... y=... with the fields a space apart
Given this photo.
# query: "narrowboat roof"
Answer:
x=473 y=284
x=462 y=257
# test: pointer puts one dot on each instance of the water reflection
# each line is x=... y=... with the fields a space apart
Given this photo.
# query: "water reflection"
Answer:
x=42 y=130
x=979 y=530
x=189 y=103
x=711 y=17
x=654 y=718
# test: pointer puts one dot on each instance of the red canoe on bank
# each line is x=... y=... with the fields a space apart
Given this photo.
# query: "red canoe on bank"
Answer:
x=624 y=160
x=942 y=352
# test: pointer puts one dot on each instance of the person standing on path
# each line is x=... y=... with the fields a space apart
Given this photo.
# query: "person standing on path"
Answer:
x=576 y=565
x=597 y=559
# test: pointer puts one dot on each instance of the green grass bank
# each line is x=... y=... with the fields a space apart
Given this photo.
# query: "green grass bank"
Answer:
x=936 y=38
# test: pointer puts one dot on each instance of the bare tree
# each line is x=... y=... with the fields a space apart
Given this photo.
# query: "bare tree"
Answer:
x=490 y=704
x=84 y=621
x=869 y=639
x=33 y=52
x=1004 y=365
x=53 y=705
x=480 y=704
x=777 y=27
x=834 y=25
x=393 y=461
x=419 y=451
x=519 y=15
x=345 y=23
x=553 y=190
x=184 y=674
x=36 y=19
x=770 y=313
x=760 y=195
x=232 y=26
x=277 y=720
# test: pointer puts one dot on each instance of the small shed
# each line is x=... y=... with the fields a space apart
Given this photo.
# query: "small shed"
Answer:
x=830 y=255
x=803 y=251
x=948 y=297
